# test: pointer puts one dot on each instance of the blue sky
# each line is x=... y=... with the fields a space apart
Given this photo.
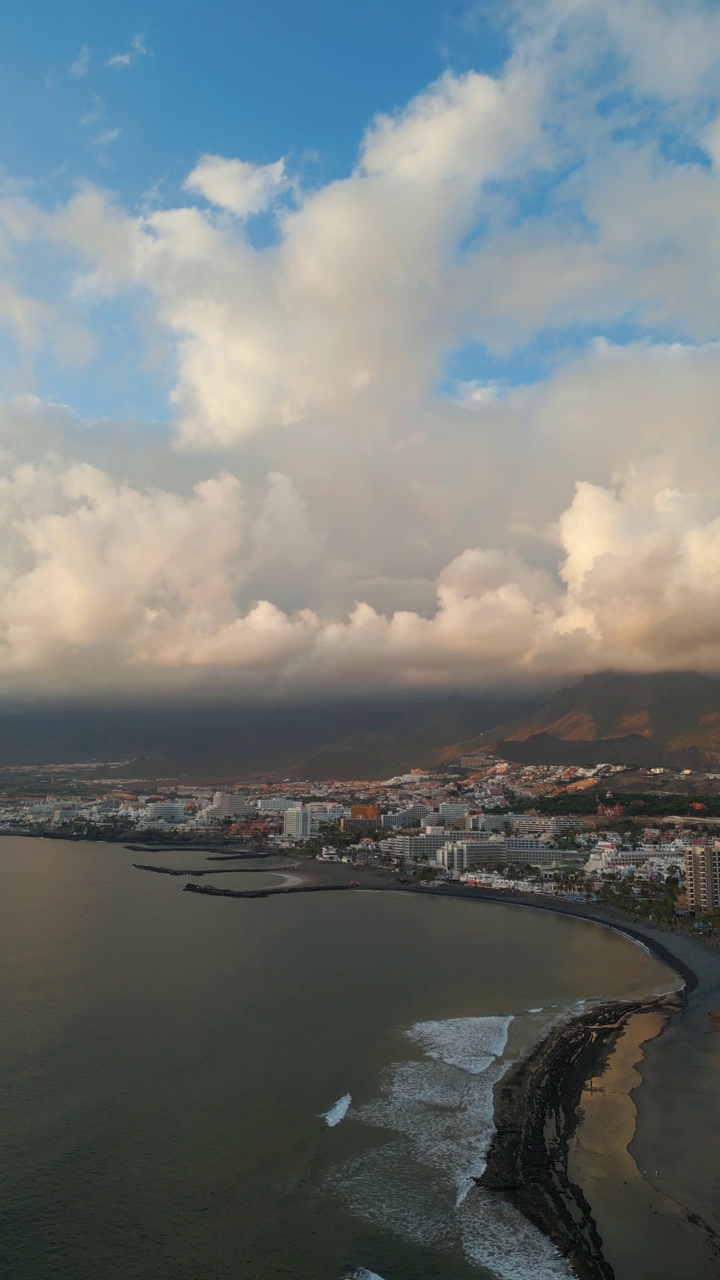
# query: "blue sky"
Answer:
x=255 y=80
x=302 y=81
x=358 y=346
x=251 y=79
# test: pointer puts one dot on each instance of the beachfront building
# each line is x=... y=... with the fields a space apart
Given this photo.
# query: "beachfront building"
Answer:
x=414 y=848
x=164 y=811
x=466 y=855
x=297 y=823
x=702 y=877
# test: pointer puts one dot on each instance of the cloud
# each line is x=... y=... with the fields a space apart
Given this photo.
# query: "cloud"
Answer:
x=446 y=421
x=81 y=65
x=92 y=115
x=137 y=49
x=106 y=137
x=235 y=185
x=146 y=581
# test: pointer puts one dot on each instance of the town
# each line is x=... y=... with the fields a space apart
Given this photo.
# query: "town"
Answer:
x=645 y=841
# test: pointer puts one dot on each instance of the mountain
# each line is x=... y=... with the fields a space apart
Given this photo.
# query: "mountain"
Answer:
x=369 y=738
x=671 y=719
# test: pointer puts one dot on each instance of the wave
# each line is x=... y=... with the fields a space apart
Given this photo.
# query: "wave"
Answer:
x=438 y=1114
x=497 y=1237
x=471 y=1044
x=338 y=1111
x=362 y=1273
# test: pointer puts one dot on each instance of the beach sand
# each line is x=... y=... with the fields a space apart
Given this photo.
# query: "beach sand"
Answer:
x=645 y=1235
x=632 y=1190
x=677 y=1141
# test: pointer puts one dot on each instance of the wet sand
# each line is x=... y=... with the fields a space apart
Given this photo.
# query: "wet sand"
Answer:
x=537 y=1109
x=644 y=1234
x=636 y=1191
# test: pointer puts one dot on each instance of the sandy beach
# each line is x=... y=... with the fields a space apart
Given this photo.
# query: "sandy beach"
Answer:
x=626 y=1128
x=644 y=1234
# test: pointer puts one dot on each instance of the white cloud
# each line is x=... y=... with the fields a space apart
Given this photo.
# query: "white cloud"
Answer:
x=242 y=188
x=146 y=582
x=334 y=512
x=137 y=49
x=106 y=137
x=81 y=65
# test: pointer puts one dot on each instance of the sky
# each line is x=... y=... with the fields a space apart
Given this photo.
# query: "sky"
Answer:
x=350 y=349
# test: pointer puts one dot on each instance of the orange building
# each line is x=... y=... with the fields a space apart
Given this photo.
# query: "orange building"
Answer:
x=369 y=811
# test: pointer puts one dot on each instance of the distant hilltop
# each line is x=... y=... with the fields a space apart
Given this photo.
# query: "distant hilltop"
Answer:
x=671 y=719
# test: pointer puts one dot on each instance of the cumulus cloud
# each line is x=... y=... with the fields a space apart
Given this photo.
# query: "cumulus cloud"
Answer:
x=242 y=188
x=106 y=581
x=375 y=477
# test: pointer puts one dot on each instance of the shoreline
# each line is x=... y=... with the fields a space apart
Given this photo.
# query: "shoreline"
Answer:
x=528 y=1163
x=537 y=1115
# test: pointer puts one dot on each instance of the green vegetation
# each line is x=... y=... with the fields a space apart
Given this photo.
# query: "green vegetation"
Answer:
x=635 y=803
x=656 y=902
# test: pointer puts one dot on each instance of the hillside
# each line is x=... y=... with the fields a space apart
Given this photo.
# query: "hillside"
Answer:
x=368 y=738
x=670 y=719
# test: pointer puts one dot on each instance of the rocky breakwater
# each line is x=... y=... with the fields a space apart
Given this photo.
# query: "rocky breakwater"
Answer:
x=536 y=1114
x=213 y=891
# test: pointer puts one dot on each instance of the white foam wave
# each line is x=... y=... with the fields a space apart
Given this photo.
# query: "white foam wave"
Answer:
x=362 y=1273
x=471 y=1044
x=539 y=1010
x=445 y=1116
x=437 y=1117
x=338 y=1111
x=496 y=1236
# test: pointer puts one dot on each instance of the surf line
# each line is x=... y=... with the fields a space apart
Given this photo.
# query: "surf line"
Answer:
x=337 y=1112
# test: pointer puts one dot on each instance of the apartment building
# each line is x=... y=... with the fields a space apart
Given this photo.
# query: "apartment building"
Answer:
x=702 y=877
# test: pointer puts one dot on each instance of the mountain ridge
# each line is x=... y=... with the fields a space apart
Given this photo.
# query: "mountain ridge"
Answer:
x=669 y=719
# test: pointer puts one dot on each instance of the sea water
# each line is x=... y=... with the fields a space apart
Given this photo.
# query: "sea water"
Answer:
x=301 y=1087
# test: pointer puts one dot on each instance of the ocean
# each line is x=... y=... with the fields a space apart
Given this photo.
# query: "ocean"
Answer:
x=201 y=1088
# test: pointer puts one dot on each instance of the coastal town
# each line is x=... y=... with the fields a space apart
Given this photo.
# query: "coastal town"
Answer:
x=646 y=841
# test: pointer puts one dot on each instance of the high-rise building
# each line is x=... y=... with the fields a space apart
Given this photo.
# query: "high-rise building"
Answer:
x=465 y=855
x=702 y=877
x=297 y=823
x=230 y=804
